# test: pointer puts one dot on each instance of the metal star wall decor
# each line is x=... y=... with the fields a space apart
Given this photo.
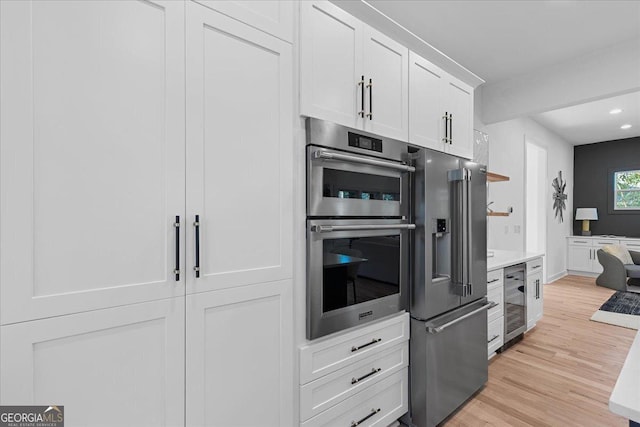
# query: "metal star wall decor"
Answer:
x=559 y=197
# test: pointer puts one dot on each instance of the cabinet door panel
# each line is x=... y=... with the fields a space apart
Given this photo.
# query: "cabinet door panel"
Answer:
x=127 y=358
x=239 y=356
x=386 y=64
x=459 y=101
x=239 y=131
x=579 y=258
x=272 y=16
x=92 y=149
x=331 y=64
x=426 y=123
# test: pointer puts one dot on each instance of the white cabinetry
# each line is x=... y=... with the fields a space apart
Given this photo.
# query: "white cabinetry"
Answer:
x=129 y=357
x=350 y=73
x=440 y=109
x=92 y=151
x=274 y=17
x=495 y=315
x=534 y=292
x=95 y=170
x=362 y=373
x=582 y=252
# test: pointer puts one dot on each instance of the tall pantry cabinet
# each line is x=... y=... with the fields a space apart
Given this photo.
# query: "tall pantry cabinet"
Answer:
x=120 y=122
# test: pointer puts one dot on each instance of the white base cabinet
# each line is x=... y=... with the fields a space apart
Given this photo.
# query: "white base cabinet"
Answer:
x=582 y=252
x=129 y=358
x=534 y=291
x=356 y=375
x=495 y=315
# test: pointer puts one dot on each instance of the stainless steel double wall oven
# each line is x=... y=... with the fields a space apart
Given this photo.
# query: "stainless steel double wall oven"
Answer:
x=357 y=228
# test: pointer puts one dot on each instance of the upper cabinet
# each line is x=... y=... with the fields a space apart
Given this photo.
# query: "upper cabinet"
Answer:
x=352 y=74
x=271 y=16
x=440 y=109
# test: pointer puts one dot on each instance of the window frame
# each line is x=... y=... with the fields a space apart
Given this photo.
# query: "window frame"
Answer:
x=613 y=191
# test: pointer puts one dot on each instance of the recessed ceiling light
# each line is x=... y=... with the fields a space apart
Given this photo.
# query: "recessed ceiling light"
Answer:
x=627 y=126
x=615 y=111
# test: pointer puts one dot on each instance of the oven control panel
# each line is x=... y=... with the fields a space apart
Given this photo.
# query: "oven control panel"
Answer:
x=365 y=142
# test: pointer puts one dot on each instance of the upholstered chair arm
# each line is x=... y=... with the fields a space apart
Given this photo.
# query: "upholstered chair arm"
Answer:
x=614 y=275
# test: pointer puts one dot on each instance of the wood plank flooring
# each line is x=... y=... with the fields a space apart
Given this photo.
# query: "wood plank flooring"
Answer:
x=562 y=372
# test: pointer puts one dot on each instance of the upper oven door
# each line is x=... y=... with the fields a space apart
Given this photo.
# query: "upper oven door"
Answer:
x=351 y=185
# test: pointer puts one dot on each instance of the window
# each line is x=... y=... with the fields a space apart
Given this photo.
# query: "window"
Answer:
x=626 y=194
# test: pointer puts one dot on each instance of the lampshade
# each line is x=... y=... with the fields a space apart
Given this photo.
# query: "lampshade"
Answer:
x=586 y=213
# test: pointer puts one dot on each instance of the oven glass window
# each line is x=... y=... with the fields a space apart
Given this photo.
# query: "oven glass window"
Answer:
x=359 y=269
x=354 y=185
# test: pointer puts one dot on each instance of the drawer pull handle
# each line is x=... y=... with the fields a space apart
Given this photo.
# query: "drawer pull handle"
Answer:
x=373 y=341
x=493 y=281
x=536 y=266
x=373 y=372
x=493 y=338
x=373 y=412
x=492 y=304
x=579 y=241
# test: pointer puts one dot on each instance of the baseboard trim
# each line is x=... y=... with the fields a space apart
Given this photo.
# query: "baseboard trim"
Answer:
x=557 y=276
x=583 y=273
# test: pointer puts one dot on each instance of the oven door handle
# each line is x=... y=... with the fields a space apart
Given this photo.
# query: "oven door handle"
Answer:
x=330 y=228
x=326 y=155
x=438 y=329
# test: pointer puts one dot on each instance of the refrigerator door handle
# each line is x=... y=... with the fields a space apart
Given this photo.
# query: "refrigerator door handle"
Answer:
x=462 y=239
x=438 y=329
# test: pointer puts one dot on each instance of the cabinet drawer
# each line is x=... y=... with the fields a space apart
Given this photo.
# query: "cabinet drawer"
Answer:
x=495 y=333
x=577 y=241
x=534 y=266
x=495 y=295
x=495 y=278
x=331 y=389
x=331 y=354
x=632 y=245
x=603 y=242
x=378 y=405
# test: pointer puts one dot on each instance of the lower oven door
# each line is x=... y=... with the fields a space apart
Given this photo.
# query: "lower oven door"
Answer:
x=356 y=272
x=448 y=361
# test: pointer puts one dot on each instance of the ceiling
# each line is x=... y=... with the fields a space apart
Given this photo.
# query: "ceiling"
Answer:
x=500 y=40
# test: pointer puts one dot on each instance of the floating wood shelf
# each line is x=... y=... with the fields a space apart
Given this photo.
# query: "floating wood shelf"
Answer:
x=494 y=177
x=497 y=213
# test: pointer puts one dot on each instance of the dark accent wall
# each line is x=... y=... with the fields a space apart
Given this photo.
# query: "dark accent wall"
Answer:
x=592 y=168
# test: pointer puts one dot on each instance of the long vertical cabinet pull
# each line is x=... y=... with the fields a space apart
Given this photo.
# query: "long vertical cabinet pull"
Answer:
x=361 y=84
x=370 y=86
x=196 y=224
x=176 y=270
x=451 y=129
x=446 y=127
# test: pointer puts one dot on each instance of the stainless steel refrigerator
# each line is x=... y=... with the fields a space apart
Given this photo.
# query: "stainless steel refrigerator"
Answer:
x=448 y=302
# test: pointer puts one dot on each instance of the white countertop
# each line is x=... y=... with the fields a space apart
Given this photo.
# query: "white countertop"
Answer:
x=501 y=259
x=625 y=399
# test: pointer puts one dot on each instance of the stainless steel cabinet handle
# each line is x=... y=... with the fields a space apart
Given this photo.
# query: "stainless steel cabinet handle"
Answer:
x=450 y=129
x=373 y=412
x=579 y=241
x=330 y=228
x=536 y=266
x=493 y=338
x=373 y=341
x=373 y=372
x=196 y=224
x=438 y=329
x=492 y=281
x=326 y=155
x=176 y=270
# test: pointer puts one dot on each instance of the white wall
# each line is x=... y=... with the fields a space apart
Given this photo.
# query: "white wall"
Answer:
x=506 y=156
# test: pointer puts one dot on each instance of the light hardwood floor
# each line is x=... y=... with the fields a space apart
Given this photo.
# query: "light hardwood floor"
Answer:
x=564 y=370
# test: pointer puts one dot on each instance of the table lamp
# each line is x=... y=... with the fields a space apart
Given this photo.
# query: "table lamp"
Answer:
x=586 y=215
